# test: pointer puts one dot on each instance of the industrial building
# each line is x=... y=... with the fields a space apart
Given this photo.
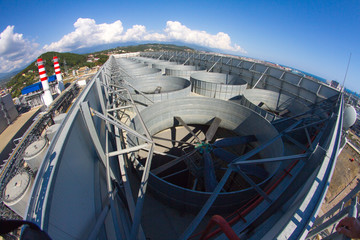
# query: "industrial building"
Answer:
x=8 y=112
x=32 y=95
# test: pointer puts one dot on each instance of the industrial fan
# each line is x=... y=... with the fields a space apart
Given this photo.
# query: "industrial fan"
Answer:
x=207 y=150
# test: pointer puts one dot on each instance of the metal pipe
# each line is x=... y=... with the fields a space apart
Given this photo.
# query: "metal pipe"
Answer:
x=275 y=159
x=263 y=146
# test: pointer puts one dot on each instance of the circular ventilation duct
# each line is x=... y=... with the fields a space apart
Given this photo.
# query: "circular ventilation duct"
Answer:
x=349 y=116
x=136 y=73
x=52 y=130
x=162 y=65
x=160 y=89
x=186 y=169
x=127 y=64
x=184 y=71
x=217 y=85
x=34 y=153
x=146 y=61
x=59 y=118
x=17 y=193
x=275 y=103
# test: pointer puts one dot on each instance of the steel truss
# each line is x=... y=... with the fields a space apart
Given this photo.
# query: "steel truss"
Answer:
x=116 y=101
x=312 y=152
x=261 y=73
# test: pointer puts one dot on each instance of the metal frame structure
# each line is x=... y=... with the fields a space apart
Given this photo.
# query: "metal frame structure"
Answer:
x=329 y=220
x=113 y=108
x=258 y=74
x=318 y=152
x=104 y=109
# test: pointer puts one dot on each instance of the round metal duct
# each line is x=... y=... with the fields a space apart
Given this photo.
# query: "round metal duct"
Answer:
x=217 y=85
x=59 y=118
x=135 y=73
x=127 y=64
x=274 y=102
x=160 y=89
x=349 y=116
x=185 y=169
x=162 y=65
x=184 y=71
x=146 y=61
x=52 y=130
x=35 y=152
x=17 y=193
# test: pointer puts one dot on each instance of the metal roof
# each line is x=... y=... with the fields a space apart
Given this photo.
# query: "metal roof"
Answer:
x=36 y=86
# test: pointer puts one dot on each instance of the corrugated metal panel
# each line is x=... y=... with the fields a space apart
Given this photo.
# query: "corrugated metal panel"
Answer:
x=36 y=86
x=32 y=88
x=52 y=78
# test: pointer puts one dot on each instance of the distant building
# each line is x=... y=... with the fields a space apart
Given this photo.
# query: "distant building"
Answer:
x=32 y=95
x=334 y=84
x=8 y=112
x=83 y=70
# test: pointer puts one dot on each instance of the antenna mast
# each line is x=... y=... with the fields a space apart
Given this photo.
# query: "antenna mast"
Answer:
x=347 y=69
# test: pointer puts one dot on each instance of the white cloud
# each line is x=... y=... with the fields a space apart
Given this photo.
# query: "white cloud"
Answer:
x=87 y=33
x=176 y=31
x=15 y=51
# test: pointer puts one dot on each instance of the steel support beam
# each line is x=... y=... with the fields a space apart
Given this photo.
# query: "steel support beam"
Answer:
x=262 y=75
x=264 y=145
x=275 y=159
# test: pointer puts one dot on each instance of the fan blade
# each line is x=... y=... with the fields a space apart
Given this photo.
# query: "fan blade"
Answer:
x=179 y=119
x=173 y=135
x=224 y=155
x=212 y=129
x=174 y=141
x=168 y=165
x=232 y=141
x=209 y=173
x=249 y=169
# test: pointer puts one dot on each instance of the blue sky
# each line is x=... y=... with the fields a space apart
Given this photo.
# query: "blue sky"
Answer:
x=314 y=36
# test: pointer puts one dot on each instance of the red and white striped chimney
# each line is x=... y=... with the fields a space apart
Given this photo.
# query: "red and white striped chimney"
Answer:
x=47 y=97
x=60 y=86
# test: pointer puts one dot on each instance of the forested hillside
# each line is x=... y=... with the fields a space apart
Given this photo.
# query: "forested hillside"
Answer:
x=151 y=47
x=30 y=74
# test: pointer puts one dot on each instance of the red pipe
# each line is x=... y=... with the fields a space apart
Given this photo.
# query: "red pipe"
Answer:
x=224 y=226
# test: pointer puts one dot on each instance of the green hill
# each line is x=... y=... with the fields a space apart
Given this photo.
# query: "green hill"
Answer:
x=150 y=47
x=30 y=74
